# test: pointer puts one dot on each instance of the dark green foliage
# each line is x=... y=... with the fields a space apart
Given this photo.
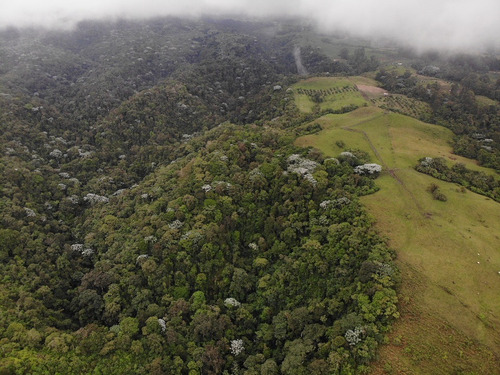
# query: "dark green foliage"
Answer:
x=309 y=129
x=475 y=181
x=436 y=193
x=258 y=235
x=127 y=225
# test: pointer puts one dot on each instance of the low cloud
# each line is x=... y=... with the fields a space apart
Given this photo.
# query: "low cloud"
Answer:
x=441 y=24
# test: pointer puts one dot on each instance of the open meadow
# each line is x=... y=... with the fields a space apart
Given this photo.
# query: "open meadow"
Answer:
x=448 y=252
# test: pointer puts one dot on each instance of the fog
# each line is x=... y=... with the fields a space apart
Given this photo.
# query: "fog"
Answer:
x=422 y=24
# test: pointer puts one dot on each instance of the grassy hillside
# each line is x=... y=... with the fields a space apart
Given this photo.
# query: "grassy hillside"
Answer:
x=447 y=251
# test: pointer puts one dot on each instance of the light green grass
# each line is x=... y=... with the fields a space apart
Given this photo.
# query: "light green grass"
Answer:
x=415 y=139
x=334 y=101
x=451 y=308
x=319 y=83
x=304 y=103
x=364 y=80
x=484 y=101
x=454 y=294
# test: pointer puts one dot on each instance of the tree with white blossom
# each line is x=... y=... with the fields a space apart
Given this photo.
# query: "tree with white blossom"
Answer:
x=237 y=346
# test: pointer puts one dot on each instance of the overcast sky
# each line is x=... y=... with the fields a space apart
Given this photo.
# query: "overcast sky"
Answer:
x=447 y=24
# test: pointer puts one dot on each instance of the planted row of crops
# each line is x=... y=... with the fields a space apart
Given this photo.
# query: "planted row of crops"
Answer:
x=329 y=91
x=402 y=104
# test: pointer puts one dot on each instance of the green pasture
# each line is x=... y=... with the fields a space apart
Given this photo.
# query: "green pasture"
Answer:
x=364 y=80
x=484 y=101
x=319 y=83
x=448 y=252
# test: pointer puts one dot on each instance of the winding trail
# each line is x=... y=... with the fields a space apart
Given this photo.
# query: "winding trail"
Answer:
x=301 y=69
x=392 y=171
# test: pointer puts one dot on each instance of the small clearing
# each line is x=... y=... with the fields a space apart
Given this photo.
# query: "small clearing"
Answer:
x=371 y=91
x=327 y=93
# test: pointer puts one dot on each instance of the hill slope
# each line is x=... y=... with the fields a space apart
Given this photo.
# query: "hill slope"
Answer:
x=156 y=216
x=447 y=251
x=141 y=232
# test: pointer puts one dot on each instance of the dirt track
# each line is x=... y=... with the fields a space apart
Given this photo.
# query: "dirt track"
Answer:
x=392 y=172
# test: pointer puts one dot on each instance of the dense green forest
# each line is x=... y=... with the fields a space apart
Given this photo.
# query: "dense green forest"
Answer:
x=156 y=217
x=136 y=240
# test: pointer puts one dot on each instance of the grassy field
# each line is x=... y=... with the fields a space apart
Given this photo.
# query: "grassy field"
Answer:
x=449 y=259
x=484 y=101
x=448 y=252
x=363 y=80
x=332 y=45
x=425 y=80
x=335 y=94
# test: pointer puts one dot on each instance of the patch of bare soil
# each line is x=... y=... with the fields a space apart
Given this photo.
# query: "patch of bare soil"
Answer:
x=371 y=91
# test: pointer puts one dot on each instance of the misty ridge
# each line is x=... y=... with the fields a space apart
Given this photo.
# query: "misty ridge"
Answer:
x=443 y=25
x=183 y=187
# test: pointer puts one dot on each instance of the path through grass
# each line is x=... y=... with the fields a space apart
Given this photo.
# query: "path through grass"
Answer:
x=448 y=252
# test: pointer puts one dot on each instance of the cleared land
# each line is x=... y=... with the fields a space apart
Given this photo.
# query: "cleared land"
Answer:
x=371 y=91
x=333 y=93
x=404 y=105
x=448 y=252
x=484 y=101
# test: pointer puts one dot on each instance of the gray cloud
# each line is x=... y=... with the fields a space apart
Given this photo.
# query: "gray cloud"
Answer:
x=442 y=24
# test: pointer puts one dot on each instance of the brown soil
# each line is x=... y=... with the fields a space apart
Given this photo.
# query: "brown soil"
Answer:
x=371 y=91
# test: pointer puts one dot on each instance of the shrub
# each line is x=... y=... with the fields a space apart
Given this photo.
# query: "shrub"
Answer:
x=439 y=196
x=436 y=193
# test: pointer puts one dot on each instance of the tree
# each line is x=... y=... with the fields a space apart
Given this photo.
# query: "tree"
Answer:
x=344 y=53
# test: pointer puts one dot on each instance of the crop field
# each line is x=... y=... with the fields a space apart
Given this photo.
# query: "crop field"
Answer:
x=326 y=93
x=404 y=105
x=447 y=251
x=425 y=80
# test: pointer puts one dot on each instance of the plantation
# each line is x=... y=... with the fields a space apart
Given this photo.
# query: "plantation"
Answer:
x=324 y=94
x=404 y=105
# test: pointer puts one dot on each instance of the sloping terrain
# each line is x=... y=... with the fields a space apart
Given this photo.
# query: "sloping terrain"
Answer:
x=327 y=94
x=448 y=252
x=142 y=232
x=158 y=217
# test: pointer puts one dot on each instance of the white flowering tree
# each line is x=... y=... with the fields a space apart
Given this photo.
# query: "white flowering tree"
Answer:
x=95 y=198
x=233 y=302
x=237 y=347
x=354 y=336
x=368 y=169
x=303 y=167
